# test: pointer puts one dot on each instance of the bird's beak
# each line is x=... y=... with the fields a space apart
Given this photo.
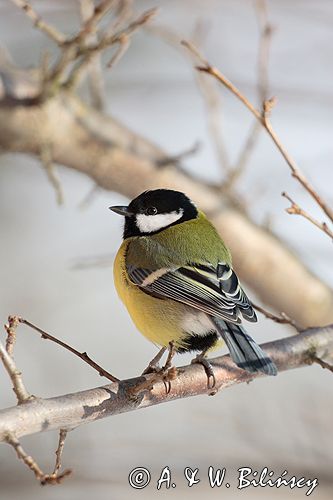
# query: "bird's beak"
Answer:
x=121 y=210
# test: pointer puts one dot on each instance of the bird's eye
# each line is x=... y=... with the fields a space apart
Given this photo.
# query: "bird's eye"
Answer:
x=151 y=211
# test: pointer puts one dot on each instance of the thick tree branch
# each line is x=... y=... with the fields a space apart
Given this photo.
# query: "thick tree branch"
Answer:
x=119 y=160
x=72 y=410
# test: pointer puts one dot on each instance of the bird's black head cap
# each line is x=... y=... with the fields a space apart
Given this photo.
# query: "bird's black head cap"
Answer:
x=153 y=211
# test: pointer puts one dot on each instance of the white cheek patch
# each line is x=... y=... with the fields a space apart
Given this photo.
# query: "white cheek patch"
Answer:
x=151 y=223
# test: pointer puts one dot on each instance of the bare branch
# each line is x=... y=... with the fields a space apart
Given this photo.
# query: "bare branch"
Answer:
x=105 y=260
x=174 y=160
x=123 y=44
x=89 y=197
x=10 y=328
x=15 y=375
x=124 y=11
x=82 y=355
x=59 y=451
x=266 y=31
x=86 y=53
x=72 y=410
x=55 y=35
x=54 y=478
x=206 y=87
x=295 y=209
x=263 y=118
x=211 y=97
x=238 y=169
x=95 y=76
x=323 y=364
x=212 y=103
x=22 y=455
x=46 y=161
x=91 y=16
x=282 y=319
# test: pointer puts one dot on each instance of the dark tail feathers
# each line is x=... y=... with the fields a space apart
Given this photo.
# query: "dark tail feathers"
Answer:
x=244 y=351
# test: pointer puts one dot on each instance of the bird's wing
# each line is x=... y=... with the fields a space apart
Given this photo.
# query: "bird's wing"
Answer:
x=213 y=290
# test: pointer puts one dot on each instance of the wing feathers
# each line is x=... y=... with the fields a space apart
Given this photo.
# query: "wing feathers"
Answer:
x=215 y=291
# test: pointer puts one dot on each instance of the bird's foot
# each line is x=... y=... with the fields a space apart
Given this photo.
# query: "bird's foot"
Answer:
x=211 y=380
x=153 y=366
x=166 y=373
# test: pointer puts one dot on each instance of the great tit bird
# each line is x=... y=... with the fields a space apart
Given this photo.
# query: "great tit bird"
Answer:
x=174 y=274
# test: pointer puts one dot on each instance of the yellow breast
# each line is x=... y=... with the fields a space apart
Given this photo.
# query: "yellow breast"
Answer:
x=158 y=320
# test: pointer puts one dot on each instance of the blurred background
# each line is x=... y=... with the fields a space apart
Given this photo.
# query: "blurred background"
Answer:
x=48 y=255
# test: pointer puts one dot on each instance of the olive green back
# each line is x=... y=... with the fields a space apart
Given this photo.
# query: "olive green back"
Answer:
x=194 y=241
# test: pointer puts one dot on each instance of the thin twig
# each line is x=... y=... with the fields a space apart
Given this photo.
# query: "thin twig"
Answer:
x=90 y=197
x=82 y=355
x=46 y=160
x=282 y=319
x=238 y=169
x=175 y=159
x=212 y=103
x=123 y=44
x=266 y=31
x=10 y=328
x=206 y=87
x=91 y=16
x=124 y=12
x=54 y=478
x=86 y=53
x=104 y=260
x=95 y=76
x=15 y=375
x=213 y=106
x=55 y=35
x=22 y=455
x=263 y=118
x=295 y=209
x=322 y=363
x=59 y=451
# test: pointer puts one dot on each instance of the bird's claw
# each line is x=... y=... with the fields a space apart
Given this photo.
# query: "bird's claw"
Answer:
x=211 y=380
x=167 y=372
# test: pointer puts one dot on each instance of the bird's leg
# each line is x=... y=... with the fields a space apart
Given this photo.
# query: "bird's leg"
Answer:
x=202 y=360
x=166 y=373
x=153 y=364
x=171 y=353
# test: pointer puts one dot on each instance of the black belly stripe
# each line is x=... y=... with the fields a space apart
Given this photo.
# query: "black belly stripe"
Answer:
x=198 y=342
